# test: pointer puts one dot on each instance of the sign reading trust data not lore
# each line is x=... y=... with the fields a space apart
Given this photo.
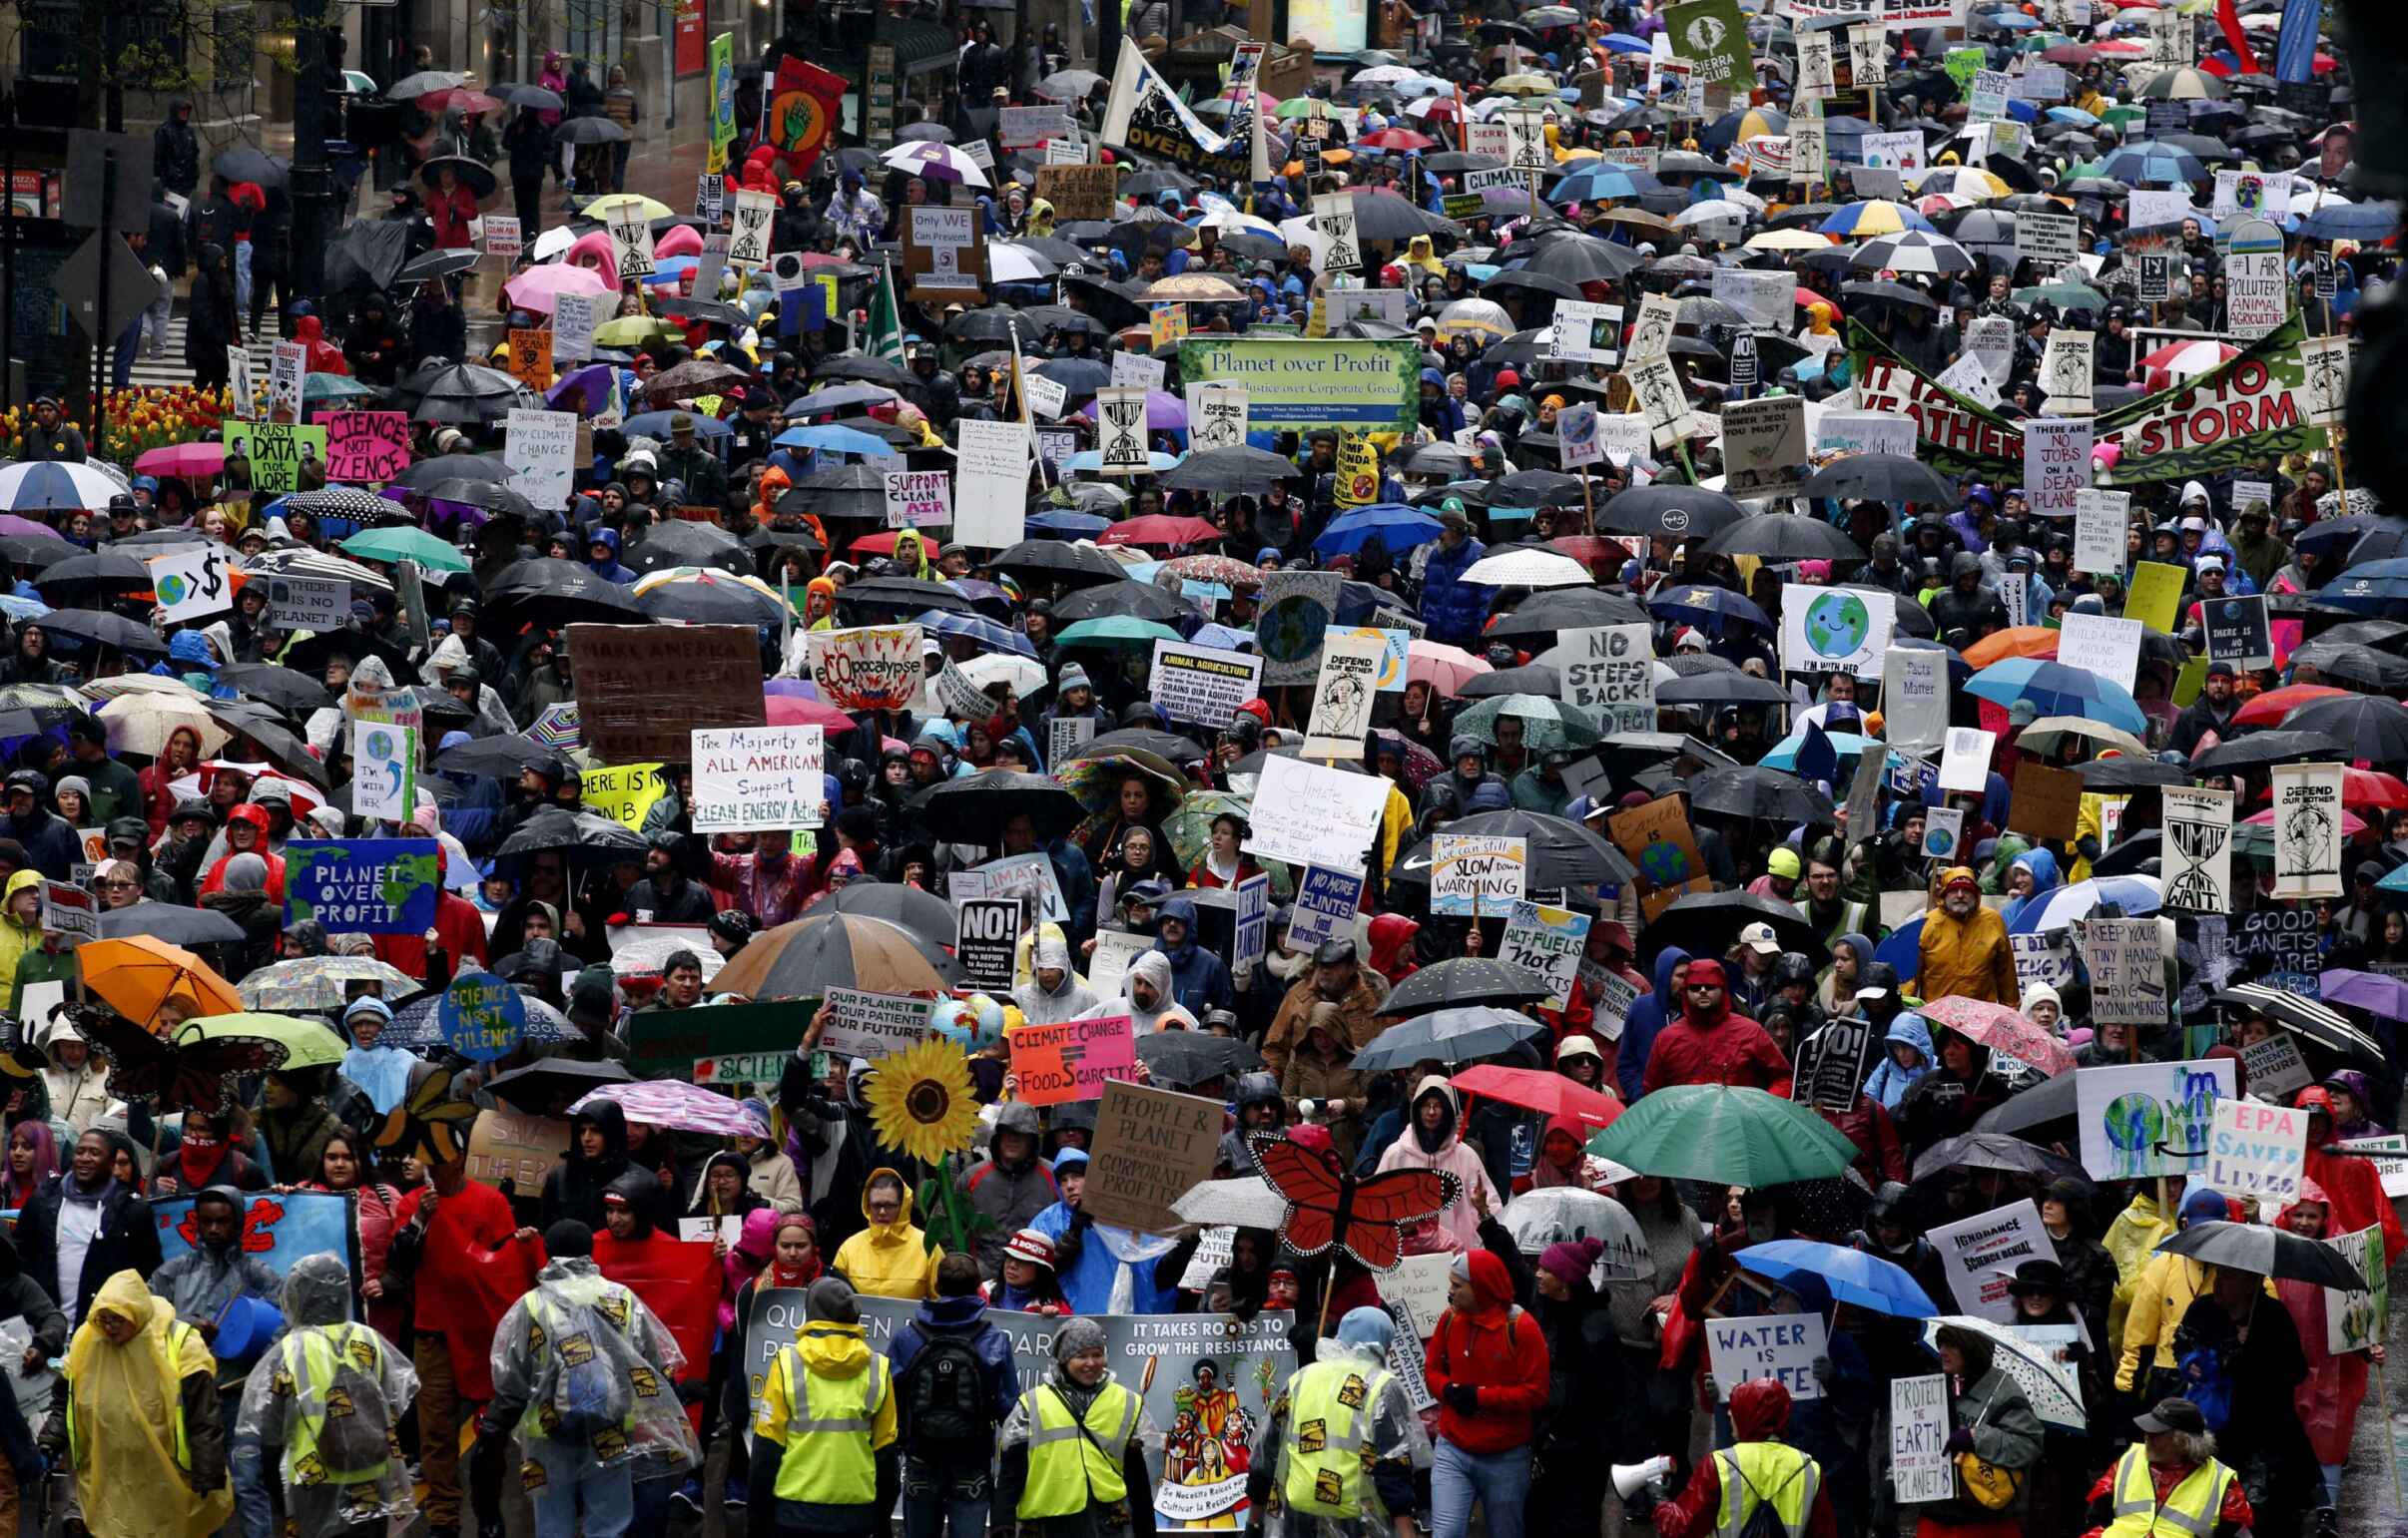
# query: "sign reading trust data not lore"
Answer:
x=750 y=779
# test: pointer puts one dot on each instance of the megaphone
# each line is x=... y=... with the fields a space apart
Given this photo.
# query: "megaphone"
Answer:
x=1631 y=1478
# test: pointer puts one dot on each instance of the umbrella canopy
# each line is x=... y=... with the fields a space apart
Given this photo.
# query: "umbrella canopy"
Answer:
x=2056 y=690
x=1560 y=851
x=170 y=923
x=2002 y=1030
x=2134 y=894
x=320 y=983
x=1980 y=1149
x=1188 y=1058
x=1708 y=924
x=2264 y=1250
x=1557 y=1214
x=1852 y=1275
x=138 y=975
x=1249 y=1202
x=1464 y=980
x=2302 y=1016
x=679 y=1106
x=1540 y=1089
x=1724 y=1135
x=805 y=958
x=550 y=1086
x=306 y=1043
x=2049 y=1384
x=1456 y=1035
x=1757 y=791
x=973 y=808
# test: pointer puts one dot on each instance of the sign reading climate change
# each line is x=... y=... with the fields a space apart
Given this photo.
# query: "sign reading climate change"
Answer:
x=363 y=885
x=1372 y=387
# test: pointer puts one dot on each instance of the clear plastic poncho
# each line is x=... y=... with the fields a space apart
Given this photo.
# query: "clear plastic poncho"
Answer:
x=314 y=1375
x=1396 y=1436
x=660 y=1438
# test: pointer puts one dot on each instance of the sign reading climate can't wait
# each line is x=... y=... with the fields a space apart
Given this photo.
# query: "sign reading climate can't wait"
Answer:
x=752 y=778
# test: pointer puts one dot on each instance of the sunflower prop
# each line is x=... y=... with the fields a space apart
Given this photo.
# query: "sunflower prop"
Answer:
x=921 y=1102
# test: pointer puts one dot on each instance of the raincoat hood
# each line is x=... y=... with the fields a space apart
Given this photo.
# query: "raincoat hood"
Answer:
x=902 y=1220
x=1759 y=1409
x=1432 y=1143
x=611 y=1118
x=318 y=1290
x=1184 y=910
x=1013 y=1116
x=1670 y=958
x=1155 y=968
x=636 y=1188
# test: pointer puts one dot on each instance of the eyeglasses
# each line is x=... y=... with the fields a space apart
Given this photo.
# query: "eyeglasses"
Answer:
x=116 y=885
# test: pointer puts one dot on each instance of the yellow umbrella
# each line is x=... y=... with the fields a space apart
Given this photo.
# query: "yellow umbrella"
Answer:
x=138 y=976
x=1788 y=240
x=1524 y=85
x=603 y=208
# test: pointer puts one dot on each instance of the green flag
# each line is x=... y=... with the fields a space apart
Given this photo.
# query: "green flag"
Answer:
x=886 y=337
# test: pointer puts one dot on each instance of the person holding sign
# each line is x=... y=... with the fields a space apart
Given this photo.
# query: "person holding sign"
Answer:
x=2328 y=1398
x=1994 y=1438
x=1756 y=1470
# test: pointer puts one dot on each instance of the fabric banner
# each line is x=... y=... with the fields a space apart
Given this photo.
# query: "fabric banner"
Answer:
x=2247 y=409
x=277 y=1228
x=1147 y=115
x=678 y=1281
x=803 y=111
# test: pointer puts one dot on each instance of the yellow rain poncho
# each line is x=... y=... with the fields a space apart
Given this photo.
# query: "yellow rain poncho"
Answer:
x=136 y=1451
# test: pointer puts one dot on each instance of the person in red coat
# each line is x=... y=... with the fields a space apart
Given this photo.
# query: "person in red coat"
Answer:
x=1759 y=1413
x=2352 y=1183
x=1486 y=1365
x=450 y=206
x=1710 y=1043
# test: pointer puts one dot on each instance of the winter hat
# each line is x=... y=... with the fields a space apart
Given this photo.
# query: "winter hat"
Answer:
x=1569 y=1261
x=1784 y=863
x=2040 y=993
x=829 y=1301
x=1078 y=1333
x=1030 y=1246
x=1074 y=677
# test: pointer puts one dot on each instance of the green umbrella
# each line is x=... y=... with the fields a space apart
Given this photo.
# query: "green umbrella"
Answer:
x=2063 y=296
x=1189 y=829
x=1117 y=630
x=1725 y=1135
x=306 y=1043
x=406 y=544
x=334 y=388
x=1546 y=725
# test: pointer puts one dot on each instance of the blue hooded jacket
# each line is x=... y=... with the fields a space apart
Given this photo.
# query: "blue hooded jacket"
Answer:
x=609 y=569
x=1454 y=608
x=1888 y=1082
x=2045 y=878
x=1647 y=1016
x=473 y=818
x=1092 y=1269
x=1199 y=981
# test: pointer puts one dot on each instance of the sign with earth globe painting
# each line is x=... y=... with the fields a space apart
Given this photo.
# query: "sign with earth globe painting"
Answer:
x=1833 y=629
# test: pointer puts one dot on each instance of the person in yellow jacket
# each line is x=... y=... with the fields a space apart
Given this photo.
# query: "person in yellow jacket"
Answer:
x=1964 y=950
x=1336 y=1458
x=20 y=929
x=143 y=1434
x=2132 y=1238
x=891 y=1258
x=1074 y=1449
x=825 y=1443
x=2167 y=1287
x=2170 y=1484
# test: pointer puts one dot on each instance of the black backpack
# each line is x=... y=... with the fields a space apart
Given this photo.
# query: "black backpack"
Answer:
x=946 y=1396
x=354 y=1439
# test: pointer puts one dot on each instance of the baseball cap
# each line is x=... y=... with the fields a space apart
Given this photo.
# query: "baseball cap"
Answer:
x=2172 y=1415
x=1759 y=938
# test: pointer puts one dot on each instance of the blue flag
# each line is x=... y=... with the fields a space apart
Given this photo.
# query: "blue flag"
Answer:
x=2295 y=47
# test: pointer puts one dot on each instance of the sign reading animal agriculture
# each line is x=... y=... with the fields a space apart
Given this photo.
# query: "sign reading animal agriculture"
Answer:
x=363 y=885
x=1372 y=387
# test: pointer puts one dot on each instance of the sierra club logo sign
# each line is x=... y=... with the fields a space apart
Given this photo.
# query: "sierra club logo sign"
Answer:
x=1712 y=35
x=2246 y=409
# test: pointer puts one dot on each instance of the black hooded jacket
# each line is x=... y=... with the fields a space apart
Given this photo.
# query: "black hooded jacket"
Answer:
x=128 y=1237
x=574 y=1189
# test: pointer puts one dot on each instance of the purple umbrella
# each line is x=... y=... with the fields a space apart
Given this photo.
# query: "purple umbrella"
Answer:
x=592 y=383
x=2370 y=992
x=26 y=528
x=1163 y=411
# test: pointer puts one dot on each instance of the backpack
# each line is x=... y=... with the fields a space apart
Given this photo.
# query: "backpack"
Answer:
x=2207 y=1383
x=589 y=1394
x=354 y=1433
x=946 y=1402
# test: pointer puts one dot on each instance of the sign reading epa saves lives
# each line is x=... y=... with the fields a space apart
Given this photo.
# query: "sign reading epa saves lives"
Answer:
x=363 y=885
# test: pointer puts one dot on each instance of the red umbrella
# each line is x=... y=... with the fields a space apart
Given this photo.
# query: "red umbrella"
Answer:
x=2268 y=709
x=1541 y=1090
x=1395 y=139
x=462 y=98
x=1590 y=550
x=793 y=711
x=2367 y=787
x=1158 y=529
x=875 y=544
x=2002 y=1030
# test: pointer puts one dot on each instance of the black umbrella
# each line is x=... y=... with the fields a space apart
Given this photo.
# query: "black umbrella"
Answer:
x=2045 y=1104
x=853 y=490
x=584 y=834
x=924 y=913
x=246 y=163
x=2261 y=750
x=2367 y=726
x=98 y=575
x=1167 y=746
x=282 y=687
x=1894 y=478
x=1186 y=1058
x=475 y=175
x=2353 y=661
x=1536 y=488
x=172 y=922
x=427 y=474
x=1559 y=609
x=1889 y=293
x=973 y=808
x=1559 y=851
x=497 y=758
x=1141 y=599
x=713 y=602
x=1450 y=1034
x=1671 y=509
x=2000 y=1151
x=595 y=130
x=1769 y=794
x=1387 y=217
x=2130 y=852
x=902 y=595
x=2264 y=1250
x=553 y=592
x=686 y=542
x=1063 y=561
x=551 y=1086
x=1721 y=687
x=367 y=255
x=1708 y=923
x=1230 y=471
x=2130 y=773
x=1786 y=537
x=492 y=496
x=104 y=628
x=1581 y=258
x=2318 y=1022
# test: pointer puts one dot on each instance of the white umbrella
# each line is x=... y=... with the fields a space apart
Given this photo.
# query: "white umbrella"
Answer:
x=143 y=722
x=1244 y=1203
x=1023 y=674
x=1484 y=316
x=925 y=155
x=2049 y=1384
x=1009 y=264
x=1528 y=569
x=1563 y=1215
x=1708 y=212
x=554 y=241
x=119 y=685
x=1387 y=75
x=56 y=483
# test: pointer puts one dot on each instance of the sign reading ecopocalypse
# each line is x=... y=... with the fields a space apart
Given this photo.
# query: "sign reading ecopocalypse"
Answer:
x=1372 y=387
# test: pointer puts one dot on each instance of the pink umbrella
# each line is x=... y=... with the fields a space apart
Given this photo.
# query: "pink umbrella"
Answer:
x=540 y=288
x=1444 y=668
x=191 y=462
x=678 y=240
x=27 y=528
x=789 y=711
x=593 y=250
x=2001 y=1030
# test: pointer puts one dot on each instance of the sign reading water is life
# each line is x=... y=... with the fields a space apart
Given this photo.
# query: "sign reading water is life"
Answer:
x=483 y=1016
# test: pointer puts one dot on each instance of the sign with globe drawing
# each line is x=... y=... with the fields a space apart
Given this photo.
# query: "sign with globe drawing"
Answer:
x=1834 y=630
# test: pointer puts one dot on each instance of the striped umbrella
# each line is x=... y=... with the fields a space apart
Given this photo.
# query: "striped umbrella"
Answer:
x=560 y=726
x=1878 y=215
x=1913 y=250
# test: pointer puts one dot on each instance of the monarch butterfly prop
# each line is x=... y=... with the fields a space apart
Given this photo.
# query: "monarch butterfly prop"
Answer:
x=1329 y=1205
x=196 y=1076
x=428 y=1123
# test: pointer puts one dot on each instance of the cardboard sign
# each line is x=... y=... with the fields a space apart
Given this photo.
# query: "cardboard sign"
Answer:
x=2154 y=597
x=1343 y=695
x=540 y=448
x=1072 y=1060
x=384 y=761
x=2283 y=946
x=873 y=668
x=1547 y=943
x=508 y=1145
x=1121 y=429
x=1304 y=815
x=988 y=933
x=1657 y=840
x=2095 y=643
x=1216 y=416
x=2258 y=1150
x=365 y=447
x=1202 y=685
x=2056 y=460
x=1609 y=672
x=642 y=690
x=1080 y=192
x=531 y=358
x=2146 y=1119
x=2354 y=1319
x=918 y=499
x=1825 y=630
x=192 y=583
x=2126 y=962
x=2046 y=801
x=572 y=327
x=1980 y=1256
x=1915 y=696
x=2307 y=831
x=1108 y=966
x=1150 y=1146
x=2274 y=1067
x=1781 y=1346
x=1018 y=877
x=1921 y=1469
x=363 y=885
x=1764 y=444
x=483 y=1017
x=759 y=779
x=2100 y=519
x=1832 y=1064
x=871 y=1025
x=631 y=242
x=1481 y=874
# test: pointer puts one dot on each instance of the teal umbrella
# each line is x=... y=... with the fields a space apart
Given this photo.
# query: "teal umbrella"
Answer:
x=1726 y=1136
x=1546 y=725
x=329 y=389
x=1117 y=630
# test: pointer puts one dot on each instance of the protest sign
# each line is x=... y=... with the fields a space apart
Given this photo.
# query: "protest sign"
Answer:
x=192 y=583
x=1921 y=1469
x=1327 y=901
x=2045 y=801
x=717 y=1044
x=306 y=602
x=2095 y=643
x=1343 y=695
x=1216 y=414
x=1964 y=759
x=71 y=912
x=2057 y=463
x=874 y=668
x=1914 y=697
x=1970 y=379
x=287 y=365
x=2099 y=530
x=1021 y=877
x=871 y=1025
x=642 y=690
x=363 y=885
x=1251 y=941
x=2274 y=1067
x=2238 y=632
x=1202 y=685
x=2283 y=947
x=1657 y=840
x=2126 y=958
x=530 y=358
x=1587 y=334
x=365 y=447
x=756 y=779
x=1306 y=814
x=1979 y=1255
x=1477 y=874
x=630 y=241
x=1064 y=736
x=481 y=1016
x=2258 y=1151
x=2357 y=1319
x=2065 y=376
x=508 y=1145
x=1547 y=943
x=540 y=449
x=992 y=469
x=1078 y=192
x=2197 y=851
x=2154 y=597
x=1764 y=443
x=1297 y=609
x=1609 y=672
x=271 y=454
x=1826 y=629
x=987 y=931
x=1943 y=832
x=2045 y=957
x=2307 y=831
x=921 y=499
x=2145 y=1119
x=1832 y=1063
x=383 y=770
x=503 y=236
x=1780 y=1346
x=2388 y=1154
x=1114 y=950
x=1149 y=1147
x=574 y=327
x=278 y=1228
x=1071 y=1060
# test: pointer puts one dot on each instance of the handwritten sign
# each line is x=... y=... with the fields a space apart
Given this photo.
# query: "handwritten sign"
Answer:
x=1150 y=1147
x=365 y=447
x=1547 y=943
x=1476 y=874
x=1920 y=1468
x=918 y=499
x=871 y=1025
x=1780 y=1346
x=752 y=778
x=2258 y=1150
x=1073 y=1059
x=876 y=667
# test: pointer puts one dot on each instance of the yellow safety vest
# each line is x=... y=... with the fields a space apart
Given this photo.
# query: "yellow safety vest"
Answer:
x=2189 y=1513
x=829 y=1420
x=1329 y=1412
x=1069 y=1466
x=1765 y=1473
x=312 y=1376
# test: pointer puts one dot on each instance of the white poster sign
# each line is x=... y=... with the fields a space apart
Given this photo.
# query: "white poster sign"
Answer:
x=2307 y=831
x=759 y=779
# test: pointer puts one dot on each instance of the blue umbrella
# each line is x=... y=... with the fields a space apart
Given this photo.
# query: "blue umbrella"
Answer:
x=1598 y=180
x=2136 y=895
x=2056 y=690
x=830 y=439
x=2153 y=162
x=2351 y=221
x=2073 y=114
x=986 y=632
x=1624 y=43
x=1784 y=755
x=1703 y=604
x=1401 y=528
x=1068 y=525
x=1902 y=949
x=1866 y=1280
x=655 y=424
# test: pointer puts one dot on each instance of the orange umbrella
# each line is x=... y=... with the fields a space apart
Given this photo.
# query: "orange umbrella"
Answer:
x=2022 y=640
x=138 y=976
x=2268 y=709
